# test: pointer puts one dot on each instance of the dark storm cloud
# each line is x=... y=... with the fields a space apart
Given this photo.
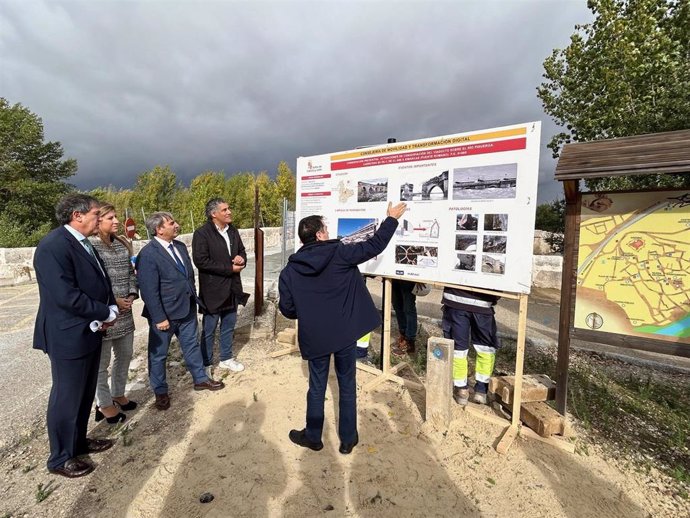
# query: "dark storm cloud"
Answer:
x=239 y=86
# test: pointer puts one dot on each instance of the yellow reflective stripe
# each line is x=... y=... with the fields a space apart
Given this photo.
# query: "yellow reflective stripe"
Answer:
x=364 y=341
x=460 y=371
x=484 y=366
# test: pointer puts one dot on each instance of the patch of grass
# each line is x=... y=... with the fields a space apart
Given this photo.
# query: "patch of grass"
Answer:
x=44 y=491
x=632 y=411
x=681 y=474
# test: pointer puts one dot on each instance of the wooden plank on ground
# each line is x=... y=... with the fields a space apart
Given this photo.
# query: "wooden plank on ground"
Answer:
x=507 y=439
x=535 y=387
x=282 y=352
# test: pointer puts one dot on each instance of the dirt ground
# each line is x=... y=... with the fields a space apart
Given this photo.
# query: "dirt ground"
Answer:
x=234 y=444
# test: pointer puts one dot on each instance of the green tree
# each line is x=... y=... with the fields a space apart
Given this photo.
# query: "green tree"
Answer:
x=240 y=197
x=207 y=185
x=154 y=191
x=626 y=73
x=270 y=201
x=551 y=218
x=32 y=173
x=285 y=183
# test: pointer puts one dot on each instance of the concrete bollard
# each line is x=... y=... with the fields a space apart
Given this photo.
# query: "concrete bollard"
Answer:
x=439 y=382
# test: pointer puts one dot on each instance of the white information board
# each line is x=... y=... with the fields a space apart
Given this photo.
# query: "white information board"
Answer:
x=471 y=201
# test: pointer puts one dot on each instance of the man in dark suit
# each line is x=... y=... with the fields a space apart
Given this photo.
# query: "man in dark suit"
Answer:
x=323 y=289
x=166 y=284
x=219 y=255
x=75 y=300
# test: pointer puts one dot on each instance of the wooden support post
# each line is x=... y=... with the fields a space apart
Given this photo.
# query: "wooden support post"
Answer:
x=439 y=376
x=519 y=359
x=568 y=280
x=387 y=290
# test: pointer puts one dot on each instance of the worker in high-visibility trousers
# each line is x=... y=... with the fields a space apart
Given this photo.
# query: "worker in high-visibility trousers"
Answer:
x=468 y=318
x=363 y=348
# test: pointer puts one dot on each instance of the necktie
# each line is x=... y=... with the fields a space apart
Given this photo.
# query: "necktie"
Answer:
x=180 y=266
x=89 y=248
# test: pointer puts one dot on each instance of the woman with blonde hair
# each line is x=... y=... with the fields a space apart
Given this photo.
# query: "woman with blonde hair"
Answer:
x=115 y=251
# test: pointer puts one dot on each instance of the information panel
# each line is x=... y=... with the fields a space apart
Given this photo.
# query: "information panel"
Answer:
x=471 y=204
x=633 y=271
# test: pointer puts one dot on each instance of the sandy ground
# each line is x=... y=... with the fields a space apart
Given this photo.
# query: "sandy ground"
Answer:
x=234 y=444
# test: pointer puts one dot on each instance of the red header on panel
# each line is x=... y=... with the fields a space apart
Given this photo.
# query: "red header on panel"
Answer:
x=316 y=177
x=433 y=154
x=306 y=194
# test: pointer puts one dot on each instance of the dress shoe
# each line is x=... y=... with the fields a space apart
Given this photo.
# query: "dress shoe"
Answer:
x=162 y=401
x=209 y=384
x=130 y=405
x=346 y=448
x=299 y=437
x=120 y=417
x=98 y=445
x=73 y=468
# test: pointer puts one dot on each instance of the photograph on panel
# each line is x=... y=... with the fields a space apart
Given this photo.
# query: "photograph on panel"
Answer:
x=495 y=244
x=496 y=222
x=345 y=191
x=466 y=262
x=427 y=187
x=467 y=222
x=421 y=230
x=485 y=182
x=354 y=230
x=466 y=242
x=494 y=264
x=416 y=255
x=372 y=190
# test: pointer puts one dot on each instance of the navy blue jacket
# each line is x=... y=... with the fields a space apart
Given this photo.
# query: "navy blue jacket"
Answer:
x=323 y=289
x=74 y=292
x=168 y=294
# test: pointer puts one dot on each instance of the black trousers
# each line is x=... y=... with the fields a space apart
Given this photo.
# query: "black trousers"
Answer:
x=69 y=406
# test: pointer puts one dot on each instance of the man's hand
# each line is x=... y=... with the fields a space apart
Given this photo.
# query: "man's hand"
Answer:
x=397 y=211
x=163 y=326
x=237 y=260
x=236 y=268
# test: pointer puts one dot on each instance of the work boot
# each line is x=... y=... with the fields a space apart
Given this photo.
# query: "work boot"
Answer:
x=480 y=398
x=401 y=347
x=461 y=395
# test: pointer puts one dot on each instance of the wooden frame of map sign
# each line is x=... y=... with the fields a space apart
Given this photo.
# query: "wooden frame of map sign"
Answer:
x=632 y=270
x=658 y=154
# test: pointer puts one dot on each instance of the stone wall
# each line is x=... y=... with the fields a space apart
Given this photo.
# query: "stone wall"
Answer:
x=16 y=264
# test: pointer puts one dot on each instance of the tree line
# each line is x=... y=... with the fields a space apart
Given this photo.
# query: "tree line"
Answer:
x=160 y=190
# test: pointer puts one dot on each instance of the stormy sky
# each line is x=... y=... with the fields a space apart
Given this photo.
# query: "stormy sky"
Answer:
x=200 y=85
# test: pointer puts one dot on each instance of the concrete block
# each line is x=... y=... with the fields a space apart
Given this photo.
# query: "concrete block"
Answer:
x=439 y=382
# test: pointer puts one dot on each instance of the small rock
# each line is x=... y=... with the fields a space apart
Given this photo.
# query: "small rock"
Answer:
x=206 y=498
x=329 y=507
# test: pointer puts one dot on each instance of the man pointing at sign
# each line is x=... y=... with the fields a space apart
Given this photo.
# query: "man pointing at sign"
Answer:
x=322 y=288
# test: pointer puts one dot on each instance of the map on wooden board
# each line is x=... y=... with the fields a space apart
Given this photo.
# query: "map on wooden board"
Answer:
x=633 y=271
x=471 y=201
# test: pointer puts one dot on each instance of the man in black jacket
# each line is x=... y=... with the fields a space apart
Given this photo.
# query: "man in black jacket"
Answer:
x=219 y=255
x=323 y=289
